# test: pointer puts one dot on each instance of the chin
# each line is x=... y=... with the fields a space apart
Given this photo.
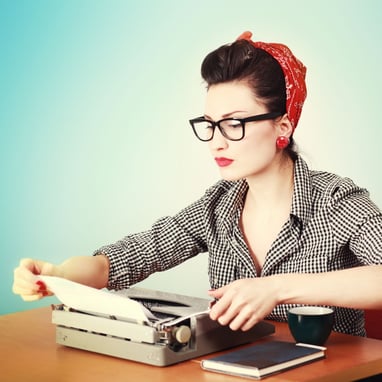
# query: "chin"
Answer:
x=230 y=177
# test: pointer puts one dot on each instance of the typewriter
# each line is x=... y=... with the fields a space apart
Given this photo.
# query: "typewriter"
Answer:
x=174 y=328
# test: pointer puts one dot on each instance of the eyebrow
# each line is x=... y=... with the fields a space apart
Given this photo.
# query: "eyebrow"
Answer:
x=227 y=115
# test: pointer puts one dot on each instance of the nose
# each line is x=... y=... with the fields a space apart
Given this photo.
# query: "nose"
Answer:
x=218 y=142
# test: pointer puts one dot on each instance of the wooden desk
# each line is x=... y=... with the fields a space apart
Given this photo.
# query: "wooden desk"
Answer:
x=29 y=353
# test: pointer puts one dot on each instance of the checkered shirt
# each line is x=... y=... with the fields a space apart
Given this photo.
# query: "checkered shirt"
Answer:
x=333 y=225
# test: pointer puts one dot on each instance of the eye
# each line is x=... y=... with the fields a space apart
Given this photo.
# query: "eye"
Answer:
x=206 y=124
x=231 y=124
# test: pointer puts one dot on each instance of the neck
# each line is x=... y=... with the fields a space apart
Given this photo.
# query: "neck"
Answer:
x=273 y=186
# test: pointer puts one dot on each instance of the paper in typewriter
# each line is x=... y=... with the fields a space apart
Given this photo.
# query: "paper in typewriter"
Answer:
x=95 y=301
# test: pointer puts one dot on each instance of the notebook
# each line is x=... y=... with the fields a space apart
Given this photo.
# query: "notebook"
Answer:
x=262 y=359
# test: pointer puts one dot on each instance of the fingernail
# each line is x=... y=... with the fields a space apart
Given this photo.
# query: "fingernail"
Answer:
x=41 y=285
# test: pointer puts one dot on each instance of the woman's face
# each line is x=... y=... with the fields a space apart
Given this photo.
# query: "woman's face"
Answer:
x=256 y=152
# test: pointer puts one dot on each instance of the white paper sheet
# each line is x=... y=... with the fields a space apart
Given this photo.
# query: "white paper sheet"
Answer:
x=95 y=301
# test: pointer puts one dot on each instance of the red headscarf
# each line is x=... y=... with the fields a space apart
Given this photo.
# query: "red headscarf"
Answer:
x=294 y=72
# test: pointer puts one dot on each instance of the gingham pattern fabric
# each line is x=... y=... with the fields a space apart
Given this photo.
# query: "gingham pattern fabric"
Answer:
x=333 y=225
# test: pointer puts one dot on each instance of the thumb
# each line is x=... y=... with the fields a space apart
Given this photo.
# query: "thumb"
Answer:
x=37 y=267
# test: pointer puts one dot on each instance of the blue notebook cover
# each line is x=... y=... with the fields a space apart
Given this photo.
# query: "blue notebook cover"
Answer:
x=263 y=359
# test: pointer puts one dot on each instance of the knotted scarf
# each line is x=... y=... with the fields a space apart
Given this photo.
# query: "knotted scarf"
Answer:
x=294 y=73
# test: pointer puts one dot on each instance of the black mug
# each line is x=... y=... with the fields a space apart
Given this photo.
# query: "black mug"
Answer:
x=311 y=324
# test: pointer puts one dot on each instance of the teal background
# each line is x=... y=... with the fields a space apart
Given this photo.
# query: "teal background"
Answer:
x=95 y=101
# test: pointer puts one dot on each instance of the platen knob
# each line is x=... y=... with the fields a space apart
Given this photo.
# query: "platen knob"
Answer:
x=182 y=334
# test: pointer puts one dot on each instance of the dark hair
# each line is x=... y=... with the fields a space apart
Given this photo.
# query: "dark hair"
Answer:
x=241 y=61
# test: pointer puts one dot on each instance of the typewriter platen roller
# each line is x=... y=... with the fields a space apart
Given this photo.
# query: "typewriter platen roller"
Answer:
x=182 y=330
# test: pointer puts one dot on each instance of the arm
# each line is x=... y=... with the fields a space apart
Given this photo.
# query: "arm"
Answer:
x=245 y=302
x=89 y=270
x=169 y=242
x=358 y=288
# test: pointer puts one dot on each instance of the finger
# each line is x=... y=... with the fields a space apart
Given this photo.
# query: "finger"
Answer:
x=26 y=289
x=29 y=287
x=43 y=289
x=31 y=265
x=26 y=283
x=218 y=293
x=225 y=309
x=36 y=267
x=238 y=320
x=24 y=280
x=245 y=320
x=219 y=308
x=28 y=270
x=24 y=275
x=231 y=313
x=34 y=297
x=28 y=295
x=230 y=307
x=226 y=296
x=250 y=324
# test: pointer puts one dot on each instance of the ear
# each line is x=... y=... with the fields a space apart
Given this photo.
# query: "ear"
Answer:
x=284 y=126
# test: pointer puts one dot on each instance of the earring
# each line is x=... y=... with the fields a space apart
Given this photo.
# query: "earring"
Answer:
x=282 y=142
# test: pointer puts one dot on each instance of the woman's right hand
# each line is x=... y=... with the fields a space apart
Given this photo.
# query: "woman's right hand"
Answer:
x=92 y=271
x=26 y=283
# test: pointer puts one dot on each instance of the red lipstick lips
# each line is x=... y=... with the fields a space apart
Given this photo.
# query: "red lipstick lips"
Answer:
x=223 y=162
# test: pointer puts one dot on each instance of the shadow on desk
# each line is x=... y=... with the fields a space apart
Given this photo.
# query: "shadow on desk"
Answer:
x=374 y=378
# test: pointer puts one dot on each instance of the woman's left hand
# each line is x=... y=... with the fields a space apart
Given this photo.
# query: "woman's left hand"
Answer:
x=243 y=303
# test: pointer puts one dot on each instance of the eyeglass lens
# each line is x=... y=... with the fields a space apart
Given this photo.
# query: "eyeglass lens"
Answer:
x=230 y=128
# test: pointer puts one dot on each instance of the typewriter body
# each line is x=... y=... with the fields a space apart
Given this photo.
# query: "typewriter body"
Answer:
x=178 y=329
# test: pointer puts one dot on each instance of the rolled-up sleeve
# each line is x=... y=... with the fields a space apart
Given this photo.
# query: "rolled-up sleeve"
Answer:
x=357 y=221
x=169 y=242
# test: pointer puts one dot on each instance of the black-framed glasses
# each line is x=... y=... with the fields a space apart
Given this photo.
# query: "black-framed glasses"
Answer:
x=231 y=128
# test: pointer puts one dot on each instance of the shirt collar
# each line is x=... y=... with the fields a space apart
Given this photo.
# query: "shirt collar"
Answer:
x=301 y=202
x=302 y=193
x=232 y=204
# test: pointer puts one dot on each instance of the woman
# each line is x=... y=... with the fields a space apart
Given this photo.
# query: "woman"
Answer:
x=277 y=234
